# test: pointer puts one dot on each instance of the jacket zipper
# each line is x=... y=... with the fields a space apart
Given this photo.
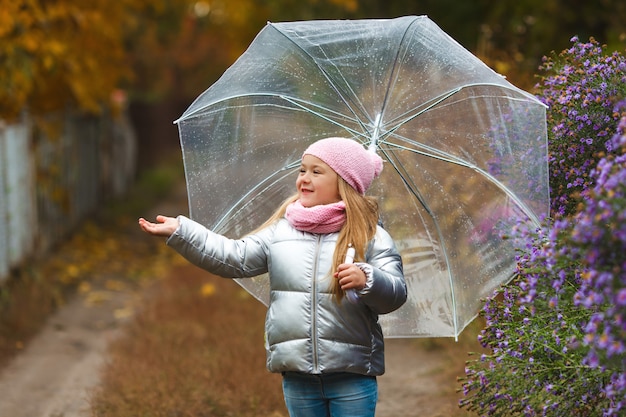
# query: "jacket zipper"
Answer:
x=314 y=307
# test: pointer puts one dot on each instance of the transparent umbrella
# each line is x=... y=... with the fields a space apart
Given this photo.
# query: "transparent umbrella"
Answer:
x=464 y=151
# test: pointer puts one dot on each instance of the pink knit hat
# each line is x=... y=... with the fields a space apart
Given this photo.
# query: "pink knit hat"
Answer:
x=349 y=159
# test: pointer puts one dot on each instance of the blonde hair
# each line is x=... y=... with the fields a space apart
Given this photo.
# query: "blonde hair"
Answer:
x=358 y=230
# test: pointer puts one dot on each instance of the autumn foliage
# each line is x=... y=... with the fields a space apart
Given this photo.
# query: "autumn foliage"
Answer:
x=75 y=54
x=61 y=53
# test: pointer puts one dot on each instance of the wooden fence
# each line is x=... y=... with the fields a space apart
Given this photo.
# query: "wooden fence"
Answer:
x=50 y=183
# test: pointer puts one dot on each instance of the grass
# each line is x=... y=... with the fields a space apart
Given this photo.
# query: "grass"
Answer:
x=194 y=349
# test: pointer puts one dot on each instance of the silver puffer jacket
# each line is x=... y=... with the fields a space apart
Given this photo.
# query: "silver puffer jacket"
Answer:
x=305 y=329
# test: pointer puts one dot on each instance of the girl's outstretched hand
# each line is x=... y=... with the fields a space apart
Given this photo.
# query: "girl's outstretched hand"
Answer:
x=165 y=226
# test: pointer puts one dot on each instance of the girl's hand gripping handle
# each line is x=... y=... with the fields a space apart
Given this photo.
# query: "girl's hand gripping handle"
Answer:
x=351 y=294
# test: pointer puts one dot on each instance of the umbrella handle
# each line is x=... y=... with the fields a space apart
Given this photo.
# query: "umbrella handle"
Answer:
x=349 y=255
x=351 y=294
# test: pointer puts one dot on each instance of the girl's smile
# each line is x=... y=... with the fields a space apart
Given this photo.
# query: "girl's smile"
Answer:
x=317 y=183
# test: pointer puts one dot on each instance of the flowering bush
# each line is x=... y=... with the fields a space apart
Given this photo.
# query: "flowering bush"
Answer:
x=556 y=333
x=580 y=87
x=598 y=239
x=534 y=333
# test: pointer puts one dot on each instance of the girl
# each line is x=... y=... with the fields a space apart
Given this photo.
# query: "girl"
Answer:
x=328 y=347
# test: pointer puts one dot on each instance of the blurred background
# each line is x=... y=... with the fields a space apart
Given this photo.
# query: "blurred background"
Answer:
x=89 y=90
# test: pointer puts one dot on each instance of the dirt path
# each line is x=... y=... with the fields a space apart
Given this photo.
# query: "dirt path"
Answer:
x=53 y=376
x=421 y=381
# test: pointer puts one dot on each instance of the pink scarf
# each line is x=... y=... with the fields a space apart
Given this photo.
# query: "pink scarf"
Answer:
x=326 y=218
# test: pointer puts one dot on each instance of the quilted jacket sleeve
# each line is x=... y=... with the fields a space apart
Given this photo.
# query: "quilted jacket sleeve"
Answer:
x=229 y=258
x=386 y=289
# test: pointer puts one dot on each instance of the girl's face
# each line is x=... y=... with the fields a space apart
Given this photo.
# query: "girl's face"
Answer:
x=317 y=183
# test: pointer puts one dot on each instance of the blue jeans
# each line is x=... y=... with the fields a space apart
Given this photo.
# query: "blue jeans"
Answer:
x=330 y=395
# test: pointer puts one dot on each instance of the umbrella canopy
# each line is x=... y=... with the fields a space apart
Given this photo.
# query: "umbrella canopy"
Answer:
x=464 y=150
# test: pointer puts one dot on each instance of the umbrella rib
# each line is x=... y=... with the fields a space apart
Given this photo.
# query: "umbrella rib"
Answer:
x=457 y=161
x=437 y=100
x=296 y=102
x=523 y=206
x=326 y=75
x=299 y=104
x=394 y=73
x=434 y=102
x=260 y=186
x=198 y=112
x=413 y=189
x=430 y=152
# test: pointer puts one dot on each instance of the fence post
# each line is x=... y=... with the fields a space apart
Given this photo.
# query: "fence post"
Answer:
x=18 y=209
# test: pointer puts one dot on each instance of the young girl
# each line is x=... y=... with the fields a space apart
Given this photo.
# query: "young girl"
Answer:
x=328 y=347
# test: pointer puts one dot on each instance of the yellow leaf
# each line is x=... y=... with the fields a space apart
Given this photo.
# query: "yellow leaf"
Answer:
x=97 y=297
x=123 y=313
x=115 y=285
x=84 y=287
x=207 y=290
x=72 y=271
